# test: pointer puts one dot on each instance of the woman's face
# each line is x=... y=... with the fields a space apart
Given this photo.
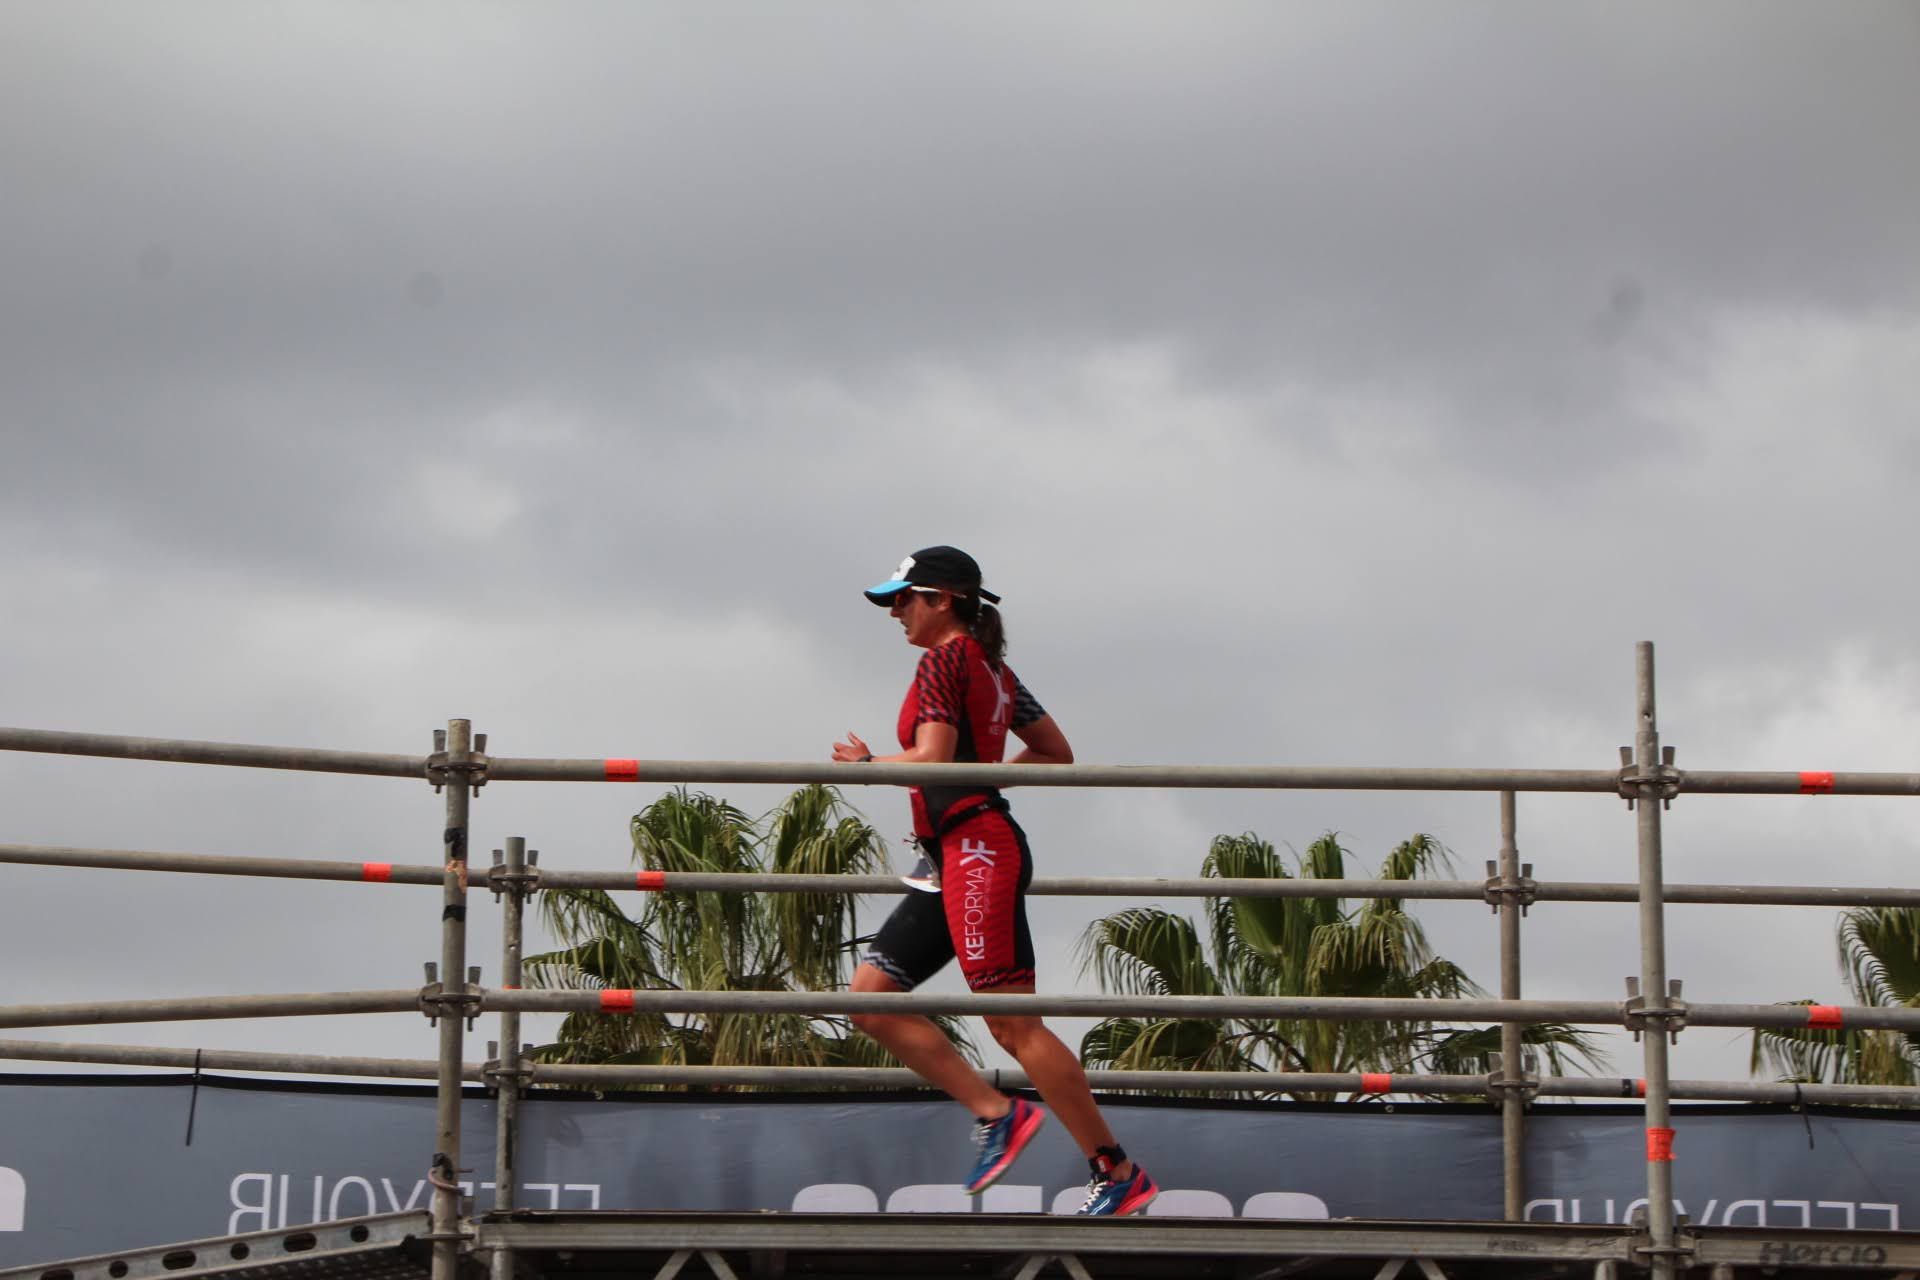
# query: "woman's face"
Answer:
x=926 y=616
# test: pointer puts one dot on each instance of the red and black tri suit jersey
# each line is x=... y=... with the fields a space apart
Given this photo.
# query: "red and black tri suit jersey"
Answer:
x=955 y=685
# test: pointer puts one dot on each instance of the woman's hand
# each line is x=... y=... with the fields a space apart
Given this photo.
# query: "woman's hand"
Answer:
x=852 y=751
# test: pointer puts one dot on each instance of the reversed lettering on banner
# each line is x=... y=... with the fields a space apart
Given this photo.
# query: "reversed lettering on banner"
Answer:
x=1821 y=1214
x=269 y=1202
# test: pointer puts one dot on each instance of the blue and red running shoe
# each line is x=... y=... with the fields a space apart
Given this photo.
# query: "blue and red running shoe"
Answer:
x=1107 y=1197
x=1001 y=1142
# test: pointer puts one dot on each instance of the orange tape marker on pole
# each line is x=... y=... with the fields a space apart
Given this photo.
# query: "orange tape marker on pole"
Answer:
x=649 y=880
x=1639 y=1088
x=1376 y=1082
x=1660 y=1146
x=1826 y=1016
x=1815 y=783
x=616 y=1001
x=376 y=872
x=623 y=771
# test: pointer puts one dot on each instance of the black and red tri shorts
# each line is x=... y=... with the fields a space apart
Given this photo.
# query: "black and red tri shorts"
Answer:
x=979 y=916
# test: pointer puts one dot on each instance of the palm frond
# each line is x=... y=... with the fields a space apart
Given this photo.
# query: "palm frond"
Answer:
x=1880 y=954
x=813 y=833
x=1146 y=951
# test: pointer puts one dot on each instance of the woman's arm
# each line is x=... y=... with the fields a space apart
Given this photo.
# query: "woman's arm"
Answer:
x=933 y=743
x=1045 y=743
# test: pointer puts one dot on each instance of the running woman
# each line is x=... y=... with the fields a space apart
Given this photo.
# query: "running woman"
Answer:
x=963 y=703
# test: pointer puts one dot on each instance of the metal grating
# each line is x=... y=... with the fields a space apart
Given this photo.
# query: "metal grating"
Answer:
x=387 y=1246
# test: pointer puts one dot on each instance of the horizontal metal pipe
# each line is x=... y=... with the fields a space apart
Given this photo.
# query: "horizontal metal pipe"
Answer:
x=1055 y=886
x=193 y=1008
x=1314 y=1008
x=899 y=1078
x=1856 y=1095
x=1327 y=1008
x=1282 y=777
x=1338 y=1008
x=1751 y=895
x=223 y=864
x=186 y=751
x=1059 y=886
x=1856 y=1017
x=1276 y=777
x=1730 y=782
x=135 y=1055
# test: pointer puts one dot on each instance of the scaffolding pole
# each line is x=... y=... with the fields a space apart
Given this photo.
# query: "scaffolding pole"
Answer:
x=452 y=1005
x=1360 y=1084
x=233 y=754
x=509 y=1072
x=1513 y=1071
x=1656 y=1018
x=372 y=872
x=475 y=1000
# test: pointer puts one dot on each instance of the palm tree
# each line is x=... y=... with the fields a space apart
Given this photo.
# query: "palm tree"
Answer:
x=1297 y=947
x=1880 y=961
x=718 y=941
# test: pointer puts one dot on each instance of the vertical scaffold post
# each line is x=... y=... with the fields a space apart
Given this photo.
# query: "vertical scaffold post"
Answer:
x=1650 y=795
x=506 y=1170
x=453 y=979
x=1513 y=1133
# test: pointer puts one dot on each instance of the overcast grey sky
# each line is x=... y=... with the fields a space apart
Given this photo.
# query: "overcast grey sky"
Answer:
x=1319 y=384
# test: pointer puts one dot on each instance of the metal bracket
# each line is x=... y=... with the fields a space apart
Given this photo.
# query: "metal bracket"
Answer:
x=1392 y=1267
x=520 y=884
x=437 y=1002
x=1681 y=1248
x=1037 y=1262
x=1661 y=781
x=715 y=1263
x=1497 y=889
x=473 y=769
x=493 y=1072
x=1670 y=1017
x=1525 y=1085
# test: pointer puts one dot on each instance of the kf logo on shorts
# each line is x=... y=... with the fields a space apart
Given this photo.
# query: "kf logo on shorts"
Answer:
x=976 y=883
x=977 y=851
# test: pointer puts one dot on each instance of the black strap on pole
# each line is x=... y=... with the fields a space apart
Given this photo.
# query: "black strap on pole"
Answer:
x=1799 y=1105
x=193 y=1099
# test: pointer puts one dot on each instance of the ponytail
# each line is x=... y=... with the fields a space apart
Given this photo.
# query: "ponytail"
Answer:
x=983 y=620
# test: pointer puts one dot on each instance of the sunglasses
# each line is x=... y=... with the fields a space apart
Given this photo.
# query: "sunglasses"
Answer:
x=900 y=600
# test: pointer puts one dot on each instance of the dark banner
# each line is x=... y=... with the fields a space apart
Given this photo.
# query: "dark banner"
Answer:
x=90 y=1164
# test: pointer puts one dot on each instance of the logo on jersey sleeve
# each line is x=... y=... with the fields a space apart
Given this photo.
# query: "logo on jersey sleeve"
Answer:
x=1002 y=683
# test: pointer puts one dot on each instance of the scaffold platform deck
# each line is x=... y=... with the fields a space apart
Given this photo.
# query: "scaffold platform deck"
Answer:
x=606 y=1245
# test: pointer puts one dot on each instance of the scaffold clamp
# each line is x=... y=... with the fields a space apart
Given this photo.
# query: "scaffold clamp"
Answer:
x=520 y=884
x=1661 y=781
x=1670 y=1017
x=1682 y=1248
x=437 y=1002
x=1525 y=1085
x=473 y=770
x=1522 y=890
x=494 y=1072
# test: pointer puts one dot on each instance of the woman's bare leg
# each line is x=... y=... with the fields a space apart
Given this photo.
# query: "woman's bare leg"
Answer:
x=1058 y=1077
x=925 y=1050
